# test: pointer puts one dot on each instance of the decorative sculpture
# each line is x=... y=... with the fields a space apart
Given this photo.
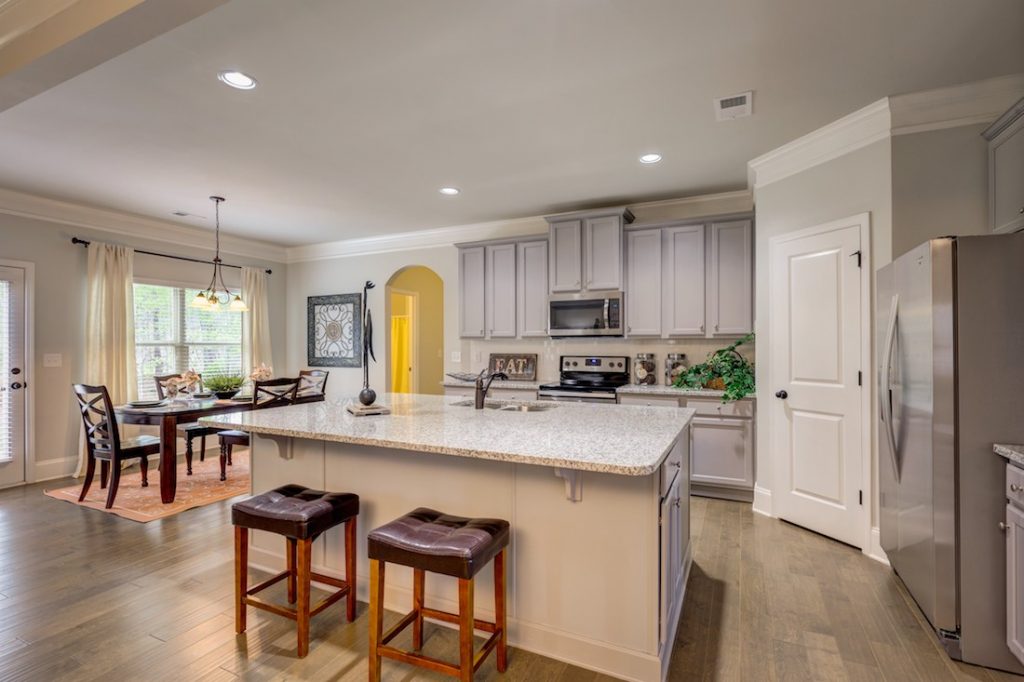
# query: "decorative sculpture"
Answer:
x=367 y=396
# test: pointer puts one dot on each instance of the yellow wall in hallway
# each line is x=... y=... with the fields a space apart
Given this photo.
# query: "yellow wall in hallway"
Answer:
x=430 y=330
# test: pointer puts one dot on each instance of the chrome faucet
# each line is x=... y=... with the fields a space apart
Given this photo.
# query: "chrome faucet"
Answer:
x=482 y=388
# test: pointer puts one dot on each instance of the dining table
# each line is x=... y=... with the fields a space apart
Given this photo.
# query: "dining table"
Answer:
x=171 y=413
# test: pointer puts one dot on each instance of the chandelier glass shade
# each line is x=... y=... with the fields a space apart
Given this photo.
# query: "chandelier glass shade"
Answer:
x=216 y=296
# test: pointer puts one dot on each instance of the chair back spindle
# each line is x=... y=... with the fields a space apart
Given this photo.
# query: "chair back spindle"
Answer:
x=313 y=382
x=98 y=418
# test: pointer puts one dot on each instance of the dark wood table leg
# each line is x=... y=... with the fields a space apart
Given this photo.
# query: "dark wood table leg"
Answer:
x=168 y=458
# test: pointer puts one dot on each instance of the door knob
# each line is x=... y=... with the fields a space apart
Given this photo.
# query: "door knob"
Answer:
x=1014 y=488
x=1002 y=526
x=781 y=394
x=15 y=386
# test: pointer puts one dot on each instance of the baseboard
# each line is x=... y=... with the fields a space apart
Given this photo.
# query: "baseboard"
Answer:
x=874 y=549
x=594 y=655
x=50 y=469
x=762 y=501
x=721 y=493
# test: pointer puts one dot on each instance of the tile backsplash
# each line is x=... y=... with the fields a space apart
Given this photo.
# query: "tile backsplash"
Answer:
x=476 y=352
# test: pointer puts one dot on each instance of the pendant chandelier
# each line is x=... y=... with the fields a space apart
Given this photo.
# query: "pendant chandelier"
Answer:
x=217 y=292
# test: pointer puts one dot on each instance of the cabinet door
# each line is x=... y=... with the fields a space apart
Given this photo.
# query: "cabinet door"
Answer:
x=532 y=288
x=1015 y=581
x=602 y=253
x=643 y=290
x=566 y=244
x=501 y=291
x=647 y=400
x=722 y=452
x=683 y=283
x=1006 y=164
x=471 y=292
x=730 y=286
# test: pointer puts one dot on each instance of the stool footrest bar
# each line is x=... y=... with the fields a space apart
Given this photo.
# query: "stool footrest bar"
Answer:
x=447 y=617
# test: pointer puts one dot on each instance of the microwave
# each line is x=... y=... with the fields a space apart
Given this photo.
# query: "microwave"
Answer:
x=594 y=313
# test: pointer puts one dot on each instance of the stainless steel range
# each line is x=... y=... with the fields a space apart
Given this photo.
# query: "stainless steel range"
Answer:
x=588 y=379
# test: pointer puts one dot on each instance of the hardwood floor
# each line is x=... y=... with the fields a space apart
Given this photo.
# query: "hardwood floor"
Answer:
x=89 y=596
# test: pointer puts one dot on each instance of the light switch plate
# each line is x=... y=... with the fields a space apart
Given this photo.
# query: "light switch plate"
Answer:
x=53 y=360
x=456 y=356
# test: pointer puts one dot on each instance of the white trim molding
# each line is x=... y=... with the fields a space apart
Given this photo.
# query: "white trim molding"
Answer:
x=127 y=224
x=30 y=464
x=874 y=549
x=851 y=132
x=958 y=105
x=762 y=501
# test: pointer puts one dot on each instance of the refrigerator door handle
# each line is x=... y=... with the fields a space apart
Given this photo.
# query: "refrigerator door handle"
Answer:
x=885 y=385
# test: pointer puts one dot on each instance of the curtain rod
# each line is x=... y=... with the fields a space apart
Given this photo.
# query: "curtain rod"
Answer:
x=85 y=243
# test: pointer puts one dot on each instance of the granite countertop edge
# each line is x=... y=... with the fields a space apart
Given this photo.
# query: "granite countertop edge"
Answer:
x=631 y=389
x=1014 y=453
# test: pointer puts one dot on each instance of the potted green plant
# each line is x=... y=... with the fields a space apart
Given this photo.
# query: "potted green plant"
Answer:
x=725 y=370
x=225 y=387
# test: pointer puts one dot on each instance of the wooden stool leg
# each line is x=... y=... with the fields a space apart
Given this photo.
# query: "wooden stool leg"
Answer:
x=499 y=610
x=465 y=629
x=376 y=616
x=303 y=558
x=241 y=575
x=350 y=568
x=418 y=580
x=290 y=545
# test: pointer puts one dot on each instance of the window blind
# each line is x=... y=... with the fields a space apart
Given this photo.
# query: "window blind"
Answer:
x=6 y=399
x=171 y=337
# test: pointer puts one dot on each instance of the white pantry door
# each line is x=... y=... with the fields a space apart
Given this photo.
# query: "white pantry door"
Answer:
x=12 y=376
x=815 y=367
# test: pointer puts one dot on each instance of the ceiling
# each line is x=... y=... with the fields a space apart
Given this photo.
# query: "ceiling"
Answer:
x=365 y=109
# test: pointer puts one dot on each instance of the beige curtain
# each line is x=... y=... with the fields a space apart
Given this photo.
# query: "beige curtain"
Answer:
x=255 y=323
x=109 y=326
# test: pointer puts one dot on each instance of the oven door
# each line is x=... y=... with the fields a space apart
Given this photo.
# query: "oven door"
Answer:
x=590 y=314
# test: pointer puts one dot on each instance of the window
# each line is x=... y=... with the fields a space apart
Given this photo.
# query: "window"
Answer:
x=171 y=337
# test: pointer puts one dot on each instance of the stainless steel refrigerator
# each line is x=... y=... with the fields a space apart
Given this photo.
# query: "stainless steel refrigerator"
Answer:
x=950 y=349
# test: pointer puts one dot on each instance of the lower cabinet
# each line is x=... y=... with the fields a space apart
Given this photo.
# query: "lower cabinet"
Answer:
x=674 y=528
x=723 y=452
x=1015 y=580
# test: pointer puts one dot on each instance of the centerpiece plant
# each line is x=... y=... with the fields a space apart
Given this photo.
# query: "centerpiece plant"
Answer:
x=725 y=370
x=225 y=386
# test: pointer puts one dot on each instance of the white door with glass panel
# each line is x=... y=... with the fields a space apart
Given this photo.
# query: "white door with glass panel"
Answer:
x=13 y=383
x=816 y=335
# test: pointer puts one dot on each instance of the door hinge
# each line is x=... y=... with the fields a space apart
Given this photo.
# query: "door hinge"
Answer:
x=860 y=378
x=860 y=497
x=857 y=254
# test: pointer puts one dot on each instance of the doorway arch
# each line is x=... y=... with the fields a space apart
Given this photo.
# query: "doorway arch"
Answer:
x=414 y=332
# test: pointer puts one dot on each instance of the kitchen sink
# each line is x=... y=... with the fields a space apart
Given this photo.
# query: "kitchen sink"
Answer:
x=509 y=405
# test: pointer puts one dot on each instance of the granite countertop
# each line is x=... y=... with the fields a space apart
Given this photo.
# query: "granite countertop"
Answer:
x=673 y=391
x=1014 y=453
x=614 y=439
x=522 y=385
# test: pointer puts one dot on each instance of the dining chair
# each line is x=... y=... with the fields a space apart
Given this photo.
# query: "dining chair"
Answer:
x=104 y=442
x=312 y=382
x=191 y=430
x=270 y=393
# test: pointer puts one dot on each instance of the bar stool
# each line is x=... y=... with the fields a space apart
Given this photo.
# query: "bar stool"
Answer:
x=300 y=515
x=427 y=540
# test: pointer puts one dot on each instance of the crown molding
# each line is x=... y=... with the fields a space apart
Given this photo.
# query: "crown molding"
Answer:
x=132 y=225
x=958 y=105
x=497 y=229
x=849 y=133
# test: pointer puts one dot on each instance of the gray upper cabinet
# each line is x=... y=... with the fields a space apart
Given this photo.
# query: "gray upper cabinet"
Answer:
x=500 y=291
x=566 y=256
x=683 y=297
x=643 y=288
x=472 y=322
x=585 y=250
x=532 y=288
x=602 y=253
x=1006 y=170
x=730 y=278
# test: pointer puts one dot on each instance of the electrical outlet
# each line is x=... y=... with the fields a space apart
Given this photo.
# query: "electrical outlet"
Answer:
x=53 y=360
x=456 y=356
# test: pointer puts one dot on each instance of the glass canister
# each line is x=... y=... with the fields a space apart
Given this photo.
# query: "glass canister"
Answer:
x=675 y=364
x=645 y=369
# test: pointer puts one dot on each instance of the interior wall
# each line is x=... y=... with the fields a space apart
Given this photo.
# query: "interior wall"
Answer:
x=429 y=336
x=60 y=298
x=939 y=185
x=860 y=181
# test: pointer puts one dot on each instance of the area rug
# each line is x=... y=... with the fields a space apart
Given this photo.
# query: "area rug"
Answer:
x=143 y=504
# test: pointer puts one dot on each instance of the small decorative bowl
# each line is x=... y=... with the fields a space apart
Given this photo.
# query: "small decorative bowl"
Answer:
x=227 y=395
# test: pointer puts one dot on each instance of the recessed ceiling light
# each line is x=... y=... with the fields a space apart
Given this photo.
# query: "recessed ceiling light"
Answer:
x=650 y=158
x=237 y=79
x=449 y=191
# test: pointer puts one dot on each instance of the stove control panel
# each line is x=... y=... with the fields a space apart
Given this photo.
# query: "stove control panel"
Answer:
x=606 y=364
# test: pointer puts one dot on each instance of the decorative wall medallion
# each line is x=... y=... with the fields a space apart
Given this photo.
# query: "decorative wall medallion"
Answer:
x=334 y=331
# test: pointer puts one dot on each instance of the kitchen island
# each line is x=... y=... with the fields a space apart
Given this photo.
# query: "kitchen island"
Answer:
x=597 y=497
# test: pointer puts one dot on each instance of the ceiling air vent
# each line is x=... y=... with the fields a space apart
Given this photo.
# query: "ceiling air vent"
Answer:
x=734 y=106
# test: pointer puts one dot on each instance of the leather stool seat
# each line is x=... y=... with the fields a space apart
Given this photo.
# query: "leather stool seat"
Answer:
x=295 y=511
x=439 y=543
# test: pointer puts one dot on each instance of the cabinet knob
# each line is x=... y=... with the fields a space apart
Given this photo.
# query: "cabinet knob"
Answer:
x=1021 y=210
x=1014 y=488
x=716 y=326
x=1002 y=526
x=702 y=329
